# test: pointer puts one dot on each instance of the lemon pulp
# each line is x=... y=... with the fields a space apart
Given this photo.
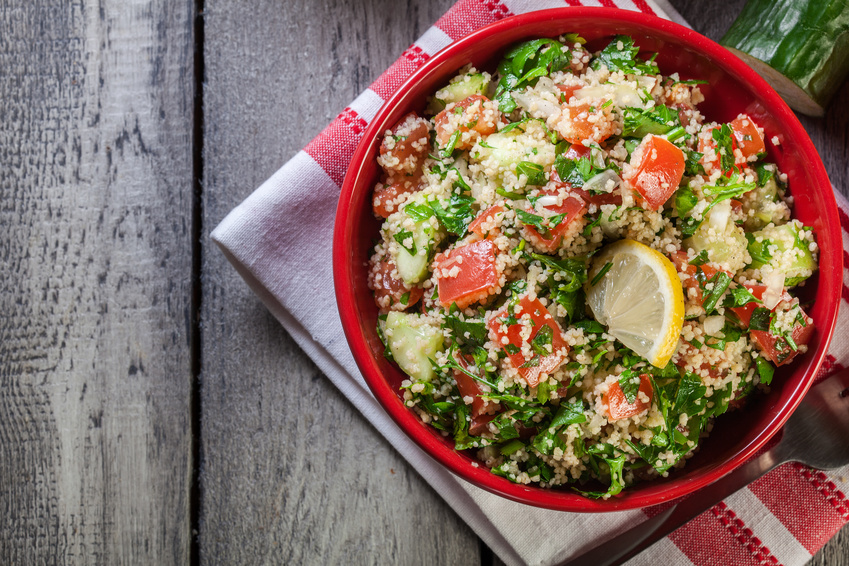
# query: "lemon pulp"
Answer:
x=639 y=298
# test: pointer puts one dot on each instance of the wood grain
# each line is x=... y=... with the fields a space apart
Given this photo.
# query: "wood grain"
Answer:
x=95 y=203
x=291 y=472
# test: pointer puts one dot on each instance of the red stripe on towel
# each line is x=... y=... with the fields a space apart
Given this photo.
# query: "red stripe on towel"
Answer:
x=719 y=537
x=643 y=7
x=468 y=15
x=808 y=514
x=333 y=148
x=388 y=82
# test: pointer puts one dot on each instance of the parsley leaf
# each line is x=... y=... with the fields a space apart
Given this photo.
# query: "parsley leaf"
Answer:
x=720 y=282
x=419 y=212
x=403 y=235
x=760 y=319
x=739 y=297
x=525 y=63
x=765 y=171
x=658 y=120
x=629 y=385
x=534 y=172
x=724 y=147
x=455 y=214
x=765 y=370
x=621 y=55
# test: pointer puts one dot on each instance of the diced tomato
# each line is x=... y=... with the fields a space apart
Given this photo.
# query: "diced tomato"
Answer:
x=475 y=278
x=480 y=424
x=659 y=172
x=599 y=199
x=568 y=91
x=483 y=411
x=387 y=197
x=405 y=146
x=744 y=136
x=532 y=367
x=390 y=293
x=580 y=121
x=744 y=313
x=697 y=274
x=486 y=216
x=747 y=137
x=475 y=115
x=572 y=207
x=618 y=406
x=577 y=151
x=776 y=349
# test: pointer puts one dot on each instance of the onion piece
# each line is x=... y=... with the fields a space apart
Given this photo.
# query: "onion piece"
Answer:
x=535 y=105
x=774 y=281
x=623 y=96
x=600 y=181
x=547 y=200
x=713 y=325
x=719 y=215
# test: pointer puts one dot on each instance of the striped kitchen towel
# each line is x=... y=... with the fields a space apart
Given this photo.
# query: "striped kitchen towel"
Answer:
x=279 y=239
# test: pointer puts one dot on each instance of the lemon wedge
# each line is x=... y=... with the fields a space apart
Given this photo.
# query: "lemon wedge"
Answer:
x=639 y=298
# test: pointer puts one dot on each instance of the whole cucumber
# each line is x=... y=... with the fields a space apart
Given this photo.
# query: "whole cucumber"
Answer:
x=801 y=47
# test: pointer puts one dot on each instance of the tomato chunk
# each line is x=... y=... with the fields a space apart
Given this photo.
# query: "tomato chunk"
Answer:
x=775 y=348
x=580 y=121
x=387 y=197
x=544 y=352
x=698 y=275
x=618 y=406
x=571 y=207
x=744 y=313
x=746 y=136
x=659 y=172
x=476 y=114
x=483 y=410
x=467 y=274
x=405 y=146
x=390 y=293
x=568 y=91
x=487 y=216
x=577 y=151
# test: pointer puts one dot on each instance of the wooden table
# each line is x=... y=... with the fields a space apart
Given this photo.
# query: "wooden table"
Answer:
x=151 y=410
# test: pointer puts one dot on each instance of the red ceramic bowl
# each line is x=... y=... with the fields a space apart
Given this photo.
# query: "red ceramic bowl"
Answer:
x=733 y=88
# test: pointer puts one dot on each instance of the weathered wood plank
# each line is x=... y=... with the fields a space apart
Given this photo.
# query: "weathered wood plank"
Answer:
x=291 y=472
x=95 y=204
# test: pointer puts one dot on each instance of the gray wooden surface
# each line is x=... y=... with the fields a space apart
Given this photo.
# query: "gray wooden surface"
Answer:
x=95 y=287
x=131 y=353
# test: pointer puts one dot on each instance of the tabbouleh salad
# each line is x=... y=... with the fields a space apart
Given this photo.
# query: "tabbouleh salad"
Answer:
x=577 y=271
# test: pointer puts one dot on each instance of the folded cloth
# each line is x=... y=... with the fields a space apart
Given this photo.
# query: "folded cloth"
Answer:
x=279 y=240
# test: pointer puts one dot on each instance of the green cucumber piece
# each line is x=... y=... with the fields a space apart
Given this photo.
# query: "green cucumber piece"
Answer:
x=464 y=87
x=413 y=343
x=504 y=151
x=801 y=47
x=413 y=268
x=726 y=249
x=790 y=255
x=765 y=206
x=460 y=88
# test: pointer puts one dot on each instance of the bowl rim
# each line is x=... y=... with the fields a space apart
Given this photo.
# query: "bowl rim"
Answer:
x=460 y=464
